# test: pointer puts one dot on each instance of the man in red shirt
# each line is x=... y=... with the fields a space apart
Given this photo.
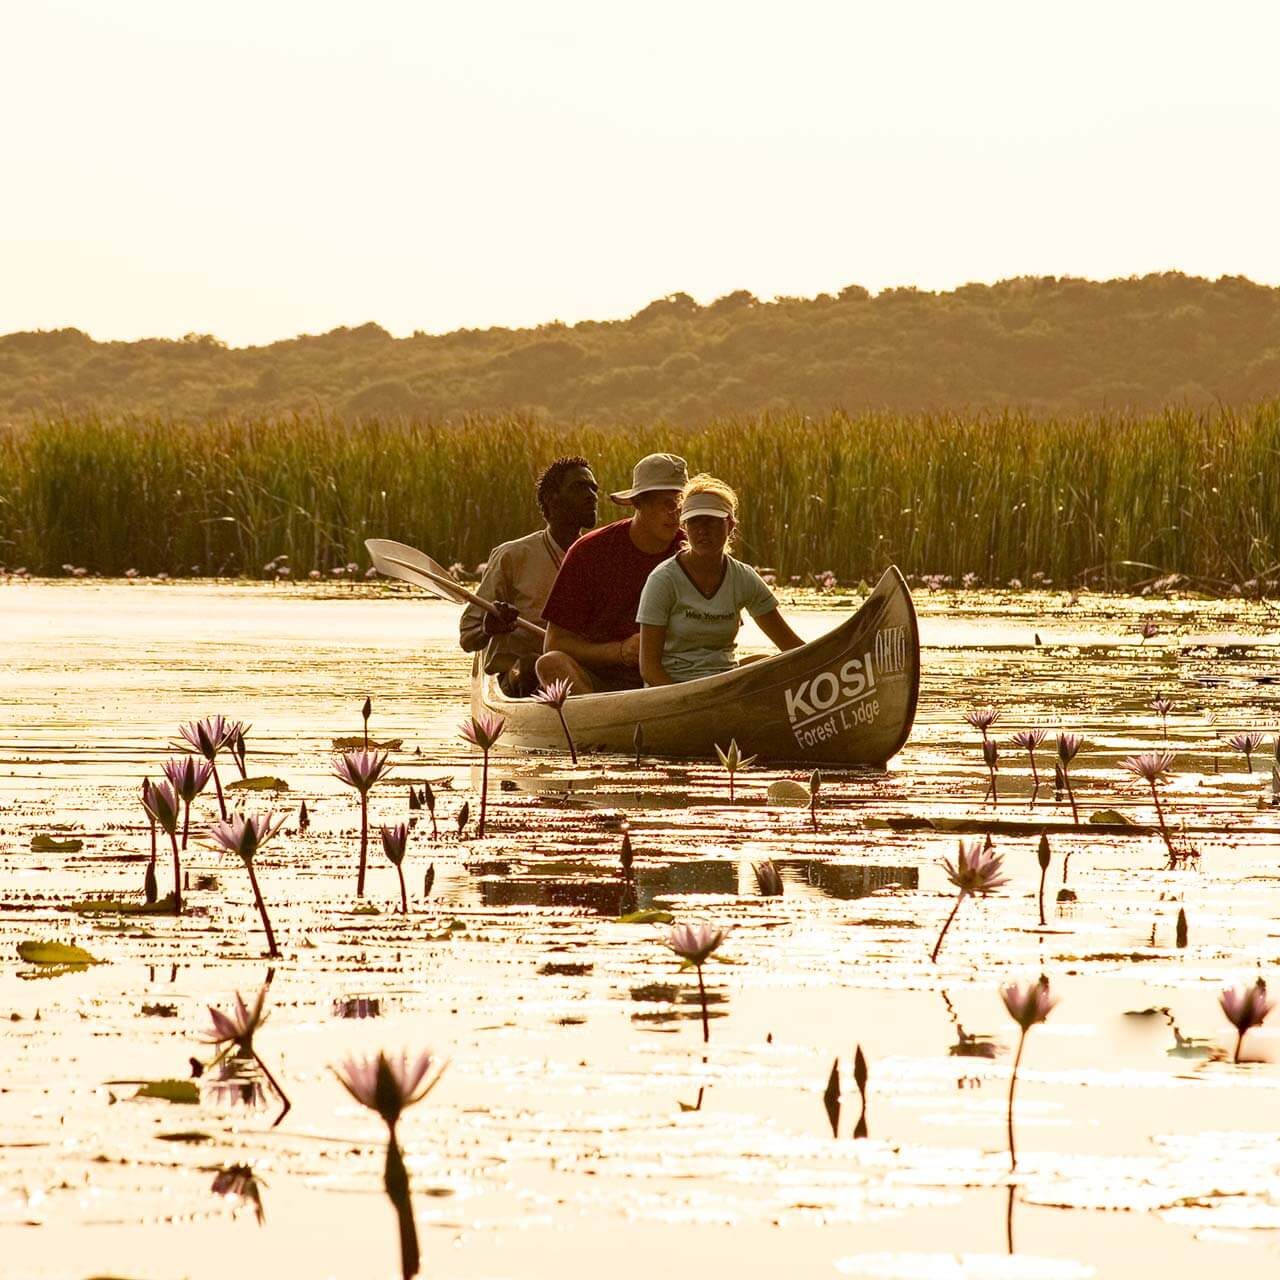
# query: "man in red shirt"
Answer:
x=593 y=639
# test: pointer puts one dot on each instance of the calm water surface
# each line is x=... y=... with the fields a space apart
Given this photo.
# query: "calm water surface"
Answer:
x=564 y=1135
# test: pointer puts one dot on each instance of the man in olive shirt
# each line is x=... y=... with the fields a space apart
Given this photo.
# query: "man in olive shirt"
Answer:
x=519 y=575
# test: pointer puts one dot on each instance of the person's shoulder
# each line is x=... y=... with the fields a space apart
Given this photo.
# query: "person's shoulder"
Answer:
x=746 y=576
x=517 y=546
x=596 y=542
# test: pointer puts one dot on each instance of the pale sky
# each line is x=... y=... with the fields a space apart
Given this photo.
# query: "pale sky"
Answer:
x=261 y=168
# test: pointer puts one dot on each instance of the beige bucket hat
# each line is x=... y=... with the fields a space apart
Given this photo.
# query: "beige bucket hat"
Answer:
x=657 y=471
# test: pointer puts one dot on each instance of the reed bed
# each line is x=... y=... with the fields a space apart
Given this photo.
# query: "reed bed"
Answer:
x=1104 y=500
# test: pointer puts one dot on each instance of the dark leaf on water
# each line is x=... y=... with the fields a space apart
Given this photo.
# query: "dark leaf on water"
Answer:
x=428 y=880
x=47 y=844
x=860 y=1070
x=831 y=1098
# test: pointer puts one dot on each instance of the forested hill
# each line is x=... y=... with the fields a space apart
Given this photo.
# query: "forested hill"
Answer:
x=1048 y=345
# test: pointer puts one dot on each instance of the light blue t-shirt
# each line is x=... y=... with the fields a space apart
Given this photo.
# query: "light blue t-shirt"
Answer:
x=701 y=631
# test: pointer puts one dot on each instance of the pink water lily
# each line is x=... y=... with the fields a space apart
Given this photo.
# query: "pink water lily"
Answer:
x=189 y=776
x=236 y=1030
x=976 y=870
x=387 y=1085
x=555 y=695
x=1246 y=1007
x=483 y=731
x=1154 y=767
x=208 y=737
x=362 y=770
x=1027 y=1005
x=1069 y=745
x=244 y=837
x=982 y=718
x=390 y=1085
x=394 y=842
x=1029 y=740
x=161 y=803
x=694 y=944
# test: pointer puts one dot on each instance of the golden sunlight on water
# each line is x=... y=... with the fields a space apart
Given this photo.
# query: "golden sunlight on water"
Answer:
x=582 y=1121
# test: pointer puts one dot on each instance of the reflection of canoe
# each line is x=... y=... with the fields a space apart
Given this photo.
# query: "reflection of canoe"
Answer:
x=848 y=697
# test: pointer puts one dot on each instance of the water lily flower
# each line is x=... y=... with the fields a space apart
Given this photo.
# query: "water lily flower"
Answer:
x=394 y=841
x=1248 y=743
x=244 y=837
x=1069 y=745
x=695 y=944
x=982 y=718
x=554 y=695
x=1027 y=1005
x=990 y=754
x=240 y=1182
x=1043 y=857
x=189 y=778
x=161 y=802
x=815 y=785
x=1029 y=740
x=1245 y=1007
x=733 y=760
x=389 y=1086
x=976 y=870
x=362 y=770
x=1148 y=630
x=149 y=889
x=236 y=1030
x=1162 y=706
x=483 y=731
x=768 y=880
x=1154 y=767
x=208 y=737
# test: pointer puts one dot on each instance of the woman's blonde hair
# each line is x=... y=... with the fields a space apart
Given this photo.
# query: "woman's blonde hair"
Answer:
x=704 y=483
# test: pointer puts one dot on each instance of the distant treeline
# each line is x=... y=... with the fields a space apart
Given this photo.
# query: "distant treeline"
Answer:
x=1041 y=345
x=1104 y=501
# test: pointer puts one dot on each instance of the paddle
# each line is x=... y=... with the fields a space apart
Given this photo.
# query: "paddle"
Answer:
x=396 y=560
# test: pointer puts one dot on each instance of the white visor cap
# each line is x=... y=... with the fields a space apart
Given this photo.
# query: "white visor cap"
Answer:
x=705 y=504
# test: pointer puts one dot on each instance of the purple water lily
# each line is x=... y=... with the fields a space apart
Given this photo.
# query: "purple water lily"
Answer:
x=208 y=737
x=394 y=842
x=235 y=1031
x=161 y=802
x=695 y=944
x=976 y=870
x=1246 y=1007
x=362 y=770
x=555 y=695
x=389 y=1086
x=244 y=837
x=189 y=777
x=483 y=731
x=1027 y=1005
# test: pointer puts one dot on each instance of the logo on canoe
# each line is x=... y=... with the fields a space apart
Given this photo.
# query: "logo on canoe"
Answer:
x=891 y=650
x=830 y=691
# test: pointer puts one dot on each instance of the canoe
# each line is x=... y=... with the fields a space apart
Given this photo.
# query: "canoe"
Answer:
x=846 y=698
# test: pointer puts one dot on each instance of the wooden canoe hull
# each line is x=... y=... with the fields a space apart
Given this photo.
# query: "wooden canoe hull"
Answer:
x=846 y=698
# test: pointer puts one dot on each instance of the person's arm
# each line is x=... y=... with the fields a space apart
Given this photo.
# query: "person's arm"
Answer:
x=607 y=653
x=652 y=640
x=775 y=626
x=478 y=626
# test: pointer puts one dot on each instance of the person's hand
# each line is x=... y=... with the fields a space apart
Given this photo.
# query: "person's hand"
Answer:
x=503 y=622
x=629 y=652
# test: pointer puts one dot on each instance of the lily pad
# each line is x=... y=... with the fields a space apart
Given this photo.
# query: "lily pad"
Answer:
x=787 y=791
x=48 y=844
x=1110 y=818
x=258 y=784
x=355 y=742
x=651 y=915
x=59 y=953
x=114 y=906
x=184 y=1092
x=185 y=1135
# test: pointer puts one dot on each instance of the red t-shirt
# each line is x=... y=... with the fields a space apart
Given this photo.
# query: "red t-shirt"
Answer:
x=597 y=591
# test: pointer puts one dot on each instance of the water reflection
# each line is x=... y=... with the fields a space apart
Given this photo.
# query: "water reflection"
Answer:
x=240 y=1182
x=238 y=1081
x=586 y=885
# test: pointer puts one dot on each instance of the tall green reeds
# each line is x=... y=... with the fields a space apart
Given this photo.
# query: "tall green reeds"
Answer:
x=1110 y=499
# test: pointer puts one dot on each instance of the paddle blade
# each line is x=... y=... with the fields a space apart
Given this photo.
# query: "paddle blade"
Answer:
x=408 y=564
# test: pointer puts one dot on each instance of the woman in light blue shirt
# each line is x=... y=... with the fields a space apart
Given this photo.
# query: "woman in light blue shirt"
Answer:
x=691 y=606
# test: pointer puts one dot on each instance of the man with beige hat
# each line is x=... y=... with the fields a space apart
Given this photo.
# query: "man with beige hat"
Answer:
x=593 y=638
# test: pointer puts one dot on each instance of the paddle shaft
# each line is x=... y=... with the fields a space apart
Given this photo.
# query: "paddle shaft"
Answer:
x=460 y=593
